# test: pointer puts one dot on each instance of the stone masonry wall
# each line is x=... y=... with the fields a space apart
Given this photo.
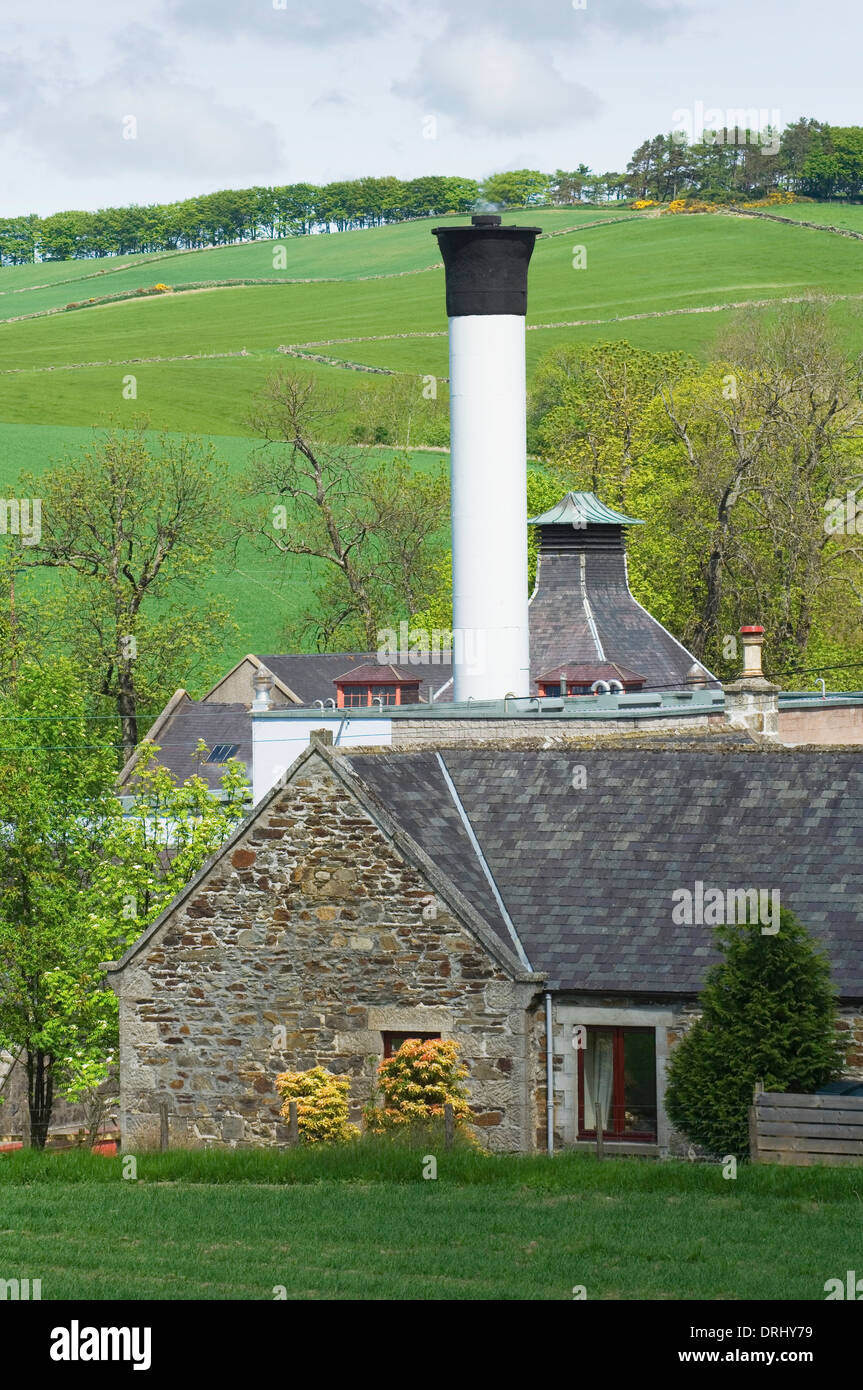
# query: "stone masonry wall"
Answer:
x=311 y=936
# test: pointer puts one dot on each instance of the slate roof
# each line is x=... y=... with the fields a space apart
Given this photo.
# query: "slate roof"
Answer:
x=590 y=672
x=416 y=789
x=582 y=610
x=588 y=875
x=178 y=736
x=311 y=675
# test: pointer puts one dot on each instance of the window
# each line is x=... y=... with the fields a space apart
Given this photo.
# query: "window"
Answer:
x=221 y=753
x=356 y=696
x=617 y=1071
x=393 y=1041
x=546 y=689
x=387 y=693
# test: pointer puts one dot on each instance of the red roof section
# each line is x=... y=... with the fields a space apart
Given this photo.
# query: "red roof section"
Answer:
x=377 y=675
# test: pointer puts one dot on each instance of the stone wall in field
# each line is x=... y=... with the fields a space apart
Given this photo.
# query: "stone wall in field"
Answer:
x=316 y=931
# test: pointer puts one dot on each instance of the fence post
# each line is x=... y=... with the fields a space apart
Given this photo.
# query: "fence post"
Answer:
x=449 y=1126
x=753 y=1123
x=293 y=1124
x=163 y=1125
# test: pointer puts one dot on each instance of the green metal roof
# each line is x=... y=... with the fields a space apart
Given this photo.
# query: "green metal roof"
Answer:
x=582 y=509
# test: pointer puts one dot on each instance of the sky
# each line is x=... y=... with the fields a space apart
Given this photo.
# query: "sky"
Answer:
x=112 y=102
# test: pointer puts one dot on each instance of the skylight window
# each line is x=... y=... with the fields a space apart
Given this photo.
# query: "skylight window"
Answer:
x=221 y=753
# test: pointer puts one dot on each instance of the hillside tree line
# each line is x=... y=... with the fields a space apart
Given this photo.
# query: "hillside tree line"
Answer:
x=810 y=158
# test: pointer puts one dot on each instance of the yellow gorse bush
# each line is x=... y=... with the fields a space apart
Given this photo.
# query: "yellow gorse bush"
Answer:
x=322 y=1104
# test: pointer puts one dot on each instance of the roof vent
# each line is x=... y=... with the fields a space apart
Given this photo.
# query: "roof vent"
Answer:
x=262 y=684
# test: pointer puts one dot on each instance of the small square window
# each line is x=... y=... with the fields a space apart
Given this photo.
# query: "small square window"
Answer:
x=393 y=1041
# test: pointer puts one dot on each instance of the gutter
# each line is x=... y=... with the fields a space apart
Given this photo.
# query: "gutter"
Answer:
x=549 y=1076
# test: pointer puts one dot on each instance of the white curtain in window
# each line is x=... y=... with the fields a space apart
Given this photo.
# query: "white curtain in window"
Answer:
x=599 y=1079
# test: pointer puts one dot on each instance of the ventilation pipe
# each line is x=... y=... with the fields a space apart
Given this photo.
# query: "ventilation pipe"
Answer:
x=486 y=300
x=262 y=684
x=600 y=688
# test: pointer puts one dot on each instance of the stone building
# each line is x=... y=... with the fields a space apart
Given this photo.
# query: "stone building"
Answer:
x=505 y=897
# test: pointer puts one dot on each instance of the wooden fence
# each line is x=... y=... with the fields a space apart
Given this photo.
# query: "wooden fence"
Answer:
x=802 y=1130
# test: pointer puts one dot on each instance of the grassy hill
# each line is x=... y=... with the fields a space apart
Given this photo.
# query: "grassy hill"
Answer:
x=199 y=356
x=376 y=299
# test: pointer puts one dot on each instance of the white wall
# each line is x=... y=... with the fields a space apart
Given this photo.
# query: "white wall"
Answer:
x=276 y=743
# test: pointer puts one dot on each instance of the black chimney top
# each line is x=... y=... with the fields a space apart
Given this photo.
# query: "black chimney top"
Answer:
x=486 y=266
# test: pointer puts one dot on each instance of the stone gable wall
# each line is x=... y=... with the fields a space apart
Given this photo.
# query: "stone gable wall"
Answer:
x=307 y=940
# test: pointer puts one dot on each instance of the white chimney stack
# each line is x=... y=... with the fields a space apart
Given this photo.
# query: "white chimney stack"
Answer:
x=486 y=296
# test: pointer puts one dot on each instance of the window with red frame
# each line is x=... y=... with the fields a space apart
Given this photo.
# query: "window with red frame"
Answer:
x=393 y=1041
x=360 y=696
x=617 y=1066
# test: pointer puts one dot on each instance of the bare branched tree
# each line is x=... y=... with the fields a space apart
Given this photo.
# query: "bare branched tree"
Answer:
x=374 y=526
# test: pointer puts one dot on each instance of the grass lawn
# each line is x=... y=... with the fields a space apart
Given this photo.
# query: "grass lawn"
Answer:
x=365 y=1224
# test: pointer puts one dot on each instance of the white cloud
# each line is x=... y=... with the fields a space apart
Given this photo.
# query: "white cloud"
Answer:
x=530 y=20
x=81 y=128
x=487 y=82
x=312 y=22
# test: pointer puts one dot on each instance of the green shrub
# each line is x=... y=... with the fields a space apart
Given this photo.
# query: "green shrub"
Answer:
x=768 y=1015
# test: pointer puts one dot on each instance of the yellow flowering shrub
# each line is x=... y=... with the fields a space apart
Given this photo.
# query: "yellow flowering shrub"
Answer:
x=644 y=203
x=322 y=1105
x=422 y=1077
x=690 y=205
x=777 y=197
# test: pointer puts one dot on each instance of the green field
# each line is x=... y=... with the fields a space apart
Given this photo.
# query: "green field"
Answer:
x=267 y=593
x=840 y=214
x=378 y=251
x=659 y=281
x=366 y=1225
x=199 y=357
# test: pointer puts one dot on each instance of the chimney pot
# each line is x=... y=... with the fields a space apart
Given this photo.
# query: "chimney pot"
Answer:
x=753 y=640
x=486 y=220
